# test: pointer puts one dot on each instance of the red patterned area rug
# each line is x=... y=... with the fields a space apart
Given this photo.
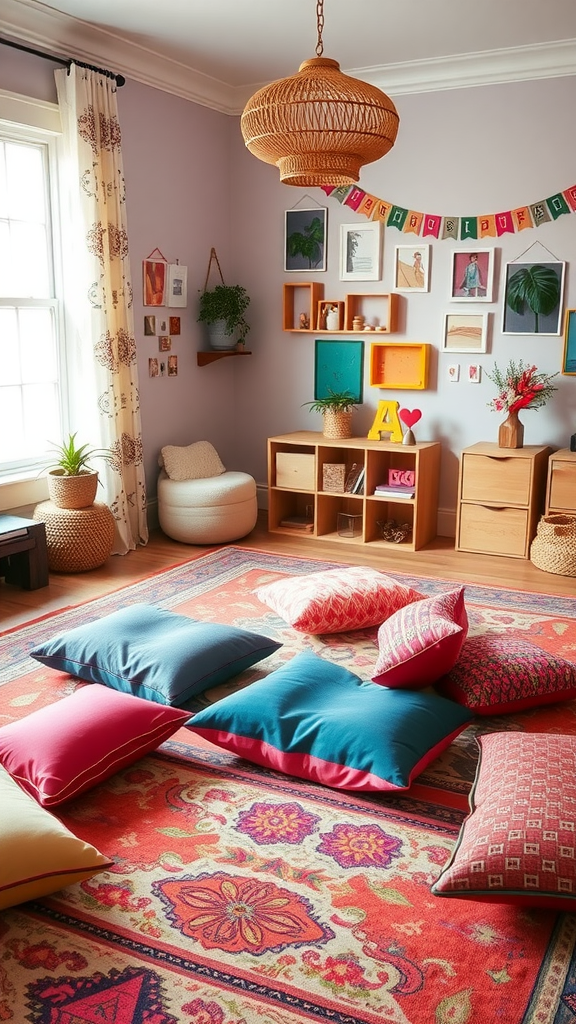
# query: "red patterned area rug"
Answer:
x=239 y=895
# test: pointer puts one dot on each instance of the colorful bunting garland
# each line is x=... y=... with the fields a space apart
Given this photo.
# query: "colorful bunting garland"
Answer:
x=490 y=224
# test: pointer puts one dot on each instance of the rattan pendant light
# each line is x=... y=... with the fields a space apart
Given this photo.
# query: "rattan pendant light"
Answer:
x=319 y=126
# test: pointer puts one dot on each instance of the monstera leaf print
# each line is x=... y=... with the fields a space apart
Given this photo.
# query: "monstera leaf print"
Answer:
x=537 y=287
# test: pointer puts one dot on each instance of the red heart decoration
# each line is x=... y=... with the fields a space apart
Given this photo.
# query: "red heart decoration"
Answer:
x=410 y=417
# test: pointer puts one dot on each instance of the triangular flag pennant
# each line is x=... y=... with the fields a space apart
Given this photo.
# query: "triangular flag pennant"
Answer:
x=487 y=225
x=413 y=222
x=328 y=189
x=450 y=227
x=341 y=192
x=570 y=196
x=557 y=205
x=468 y=227
x=431 y=225
x=396 y=217
x=522 y=218
x=504 y=223
x=539 y=213
x=382 y=210
x=354 y=198
x=367 y=205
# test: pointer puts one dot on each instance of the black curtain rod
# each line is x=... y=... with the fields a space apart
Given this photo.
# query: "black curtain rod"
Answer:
x=66 y=61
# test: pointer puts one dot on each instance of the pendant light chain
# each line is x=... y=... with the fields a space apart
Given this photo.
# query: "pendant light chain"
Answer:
x=320 y=25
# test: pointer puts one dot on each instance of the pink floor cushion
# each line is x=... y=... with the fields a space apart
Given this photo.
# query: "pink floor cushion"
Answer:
x=495 y=674
x=518 y=844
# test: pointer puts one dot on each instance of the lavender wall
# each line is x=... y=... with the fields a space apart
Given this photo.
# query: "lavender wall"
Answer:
x=192 y=185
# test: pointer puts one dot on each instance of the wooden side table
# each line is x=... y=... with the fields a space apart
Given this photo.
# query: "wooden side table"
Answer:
x=77 y=539
x=23 y=554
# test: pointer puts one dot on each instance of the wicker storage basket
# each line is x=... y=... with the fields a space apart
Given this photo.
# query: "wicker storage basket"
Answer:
x=76 y=539
x=554 y=546
x=337 y=424
x=72 y=491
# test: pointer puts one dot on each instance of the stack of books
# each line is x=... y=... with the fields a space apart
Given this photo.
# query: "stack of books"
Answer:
x=298 y=523
x=395 y=491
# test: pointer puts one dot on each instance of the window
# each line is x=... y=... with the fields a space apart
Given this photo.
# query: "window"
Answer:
x=31 y=338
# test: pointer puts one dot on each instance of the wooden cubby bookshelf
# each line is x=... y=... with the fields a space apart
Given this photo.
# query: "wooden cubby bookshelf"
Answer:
x=306 y=297
x=376 y=458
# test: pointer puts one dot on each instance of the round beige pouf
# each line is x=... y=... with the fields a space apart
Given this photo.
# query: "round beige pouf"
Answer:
x=77 y=539
x=213 y=510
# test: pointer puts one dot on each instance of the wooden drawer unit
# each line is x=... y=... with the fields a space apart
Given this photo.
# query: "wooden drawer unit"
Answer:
x=561 y=485
x=500 y=498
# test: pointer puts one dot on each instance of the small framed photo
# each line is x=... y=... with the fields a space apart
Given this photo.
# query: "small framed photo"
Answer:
x=153 y=367
x=177 y=289
x=453 y=372
x=412 y=268
x=474 y=373
x=174 y=324
x=164 y=342
x=150 y=325
x=305 y=240
x=533 y=298
x=472 y=275
x=361 y=251
x=154 y=282
x=172 y=366
x=569 y=357
x=465 y=332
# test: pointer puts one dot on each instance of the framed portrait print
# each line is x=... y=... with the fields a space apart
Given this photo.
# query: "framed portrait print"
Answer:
x=361 y=251
x=472 y=275
x=569 y=357
x=412 y=268
x=305 y=240
x=339 y=366
x=177 y=285
x=465 y=332
x=533 y=298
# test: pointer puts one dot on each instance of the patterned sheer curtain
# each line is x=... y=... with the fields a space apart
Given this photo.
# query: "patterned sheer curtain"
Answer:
x=102 y=370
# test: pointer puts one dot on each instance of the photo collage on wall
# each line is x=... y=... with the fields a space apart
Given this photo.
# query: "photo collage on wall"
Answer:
x=164 y=285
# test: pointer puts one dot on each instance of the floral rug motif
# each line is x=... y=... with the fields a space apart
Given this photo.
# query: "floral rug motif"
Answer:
x=242 y=896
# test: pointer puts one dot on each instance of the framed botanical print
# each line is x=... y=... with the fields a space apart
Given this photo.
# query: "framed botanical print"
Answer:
x=533 y=298
x=472 y=275
x=361 y=251
x=305 y=240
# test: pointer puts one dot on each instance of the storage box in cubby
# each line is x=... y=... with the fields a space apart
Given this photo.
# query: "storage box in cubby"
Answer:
x=296 y=470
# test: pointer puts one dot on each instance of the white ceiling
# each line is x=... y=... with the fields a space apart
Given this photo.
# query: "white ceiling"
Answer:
x=219 y=52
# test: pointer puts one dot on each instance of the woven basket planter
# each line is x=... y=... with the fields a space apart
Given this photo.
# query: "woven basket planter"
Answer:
x=337 y=424
x=72 y=491
x=554 y=546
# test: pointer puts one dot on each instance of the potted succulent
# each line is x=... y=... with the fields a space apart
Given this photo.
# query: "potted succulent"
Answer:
x=222 y=310
x=72 y=483
x=336 y=408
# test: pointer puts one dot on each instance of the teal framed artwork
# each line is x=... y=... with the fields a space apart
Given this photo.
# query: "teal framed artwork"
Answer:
x=569 y=358
x=339 y=366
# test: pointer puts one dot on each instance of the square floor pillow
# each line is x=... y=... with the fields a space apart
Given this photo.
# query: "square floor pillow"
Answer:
x=497 y=674
x=316 y=720
x=518 y=844
x=59 y=751
x=420 y=643
x=38 y=854
x=197 y=461
x=336 y=600
x=154 y=653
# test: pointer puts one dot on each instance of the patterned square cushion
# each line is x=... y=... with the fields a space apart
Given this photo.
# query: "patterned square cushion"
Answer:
x=420 y=643
x=336 y=600
x=154 y=653
x=318 y=721
x=38 y=854
x=63 y=749
x=518 y=844
x=196 y=461
x=495 y=674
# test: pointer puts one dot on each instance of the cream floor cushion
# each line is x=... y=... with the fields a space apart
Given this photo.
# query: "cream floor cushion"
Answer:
x=212 y=510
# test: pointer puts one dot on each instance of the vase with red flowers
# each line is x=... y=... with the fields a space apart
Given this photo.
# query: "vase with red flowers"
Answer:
x=520 y=386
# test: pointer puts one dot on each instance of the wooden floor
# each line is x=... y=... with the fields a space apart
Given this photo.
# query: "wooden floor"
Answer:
x=438 y=559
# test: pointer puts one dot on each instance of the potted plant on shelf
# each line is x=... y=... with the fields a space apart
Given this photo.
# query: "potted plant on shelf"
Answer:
x=72 y=483
x=222 y=310
x=336 y=408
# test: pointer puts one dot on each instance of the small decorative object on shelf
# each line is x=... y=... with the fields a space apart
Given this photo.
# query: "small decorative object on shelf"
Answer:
x=393 y=531
x=409 y=417
x=520 y=386
x=304 y=322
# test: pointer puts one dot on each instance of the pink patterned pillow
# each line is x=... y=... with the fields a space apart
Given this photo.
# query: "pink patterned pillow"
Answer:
x=495 y=674
x=421 y=642
x=518 y=844
x=336 y=600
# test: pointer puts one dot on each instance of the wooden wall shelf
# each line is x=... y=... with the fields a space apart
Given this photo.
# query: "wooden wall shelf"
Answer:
x=306 y=297
x=399 y=365
x=210 y=357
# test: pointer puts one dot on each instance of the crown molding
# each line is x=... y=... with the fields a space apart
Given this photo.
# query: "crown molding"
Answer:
x=39 y=26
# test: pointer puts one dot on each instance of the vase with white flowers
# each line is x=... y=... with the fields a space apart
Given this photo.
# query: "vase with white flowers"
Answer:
x=520 y=386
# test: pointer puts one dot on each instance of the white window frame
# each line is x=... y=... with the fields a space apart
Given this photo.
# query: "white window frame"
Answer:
x=30 y=120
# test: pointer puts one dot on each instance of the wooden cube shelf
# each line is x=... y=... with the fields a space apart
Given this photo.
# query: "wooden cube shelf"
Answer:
x=380 y=311
x=301 y=297
x=399 y=365
x=383 y=308
x=323 y=306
